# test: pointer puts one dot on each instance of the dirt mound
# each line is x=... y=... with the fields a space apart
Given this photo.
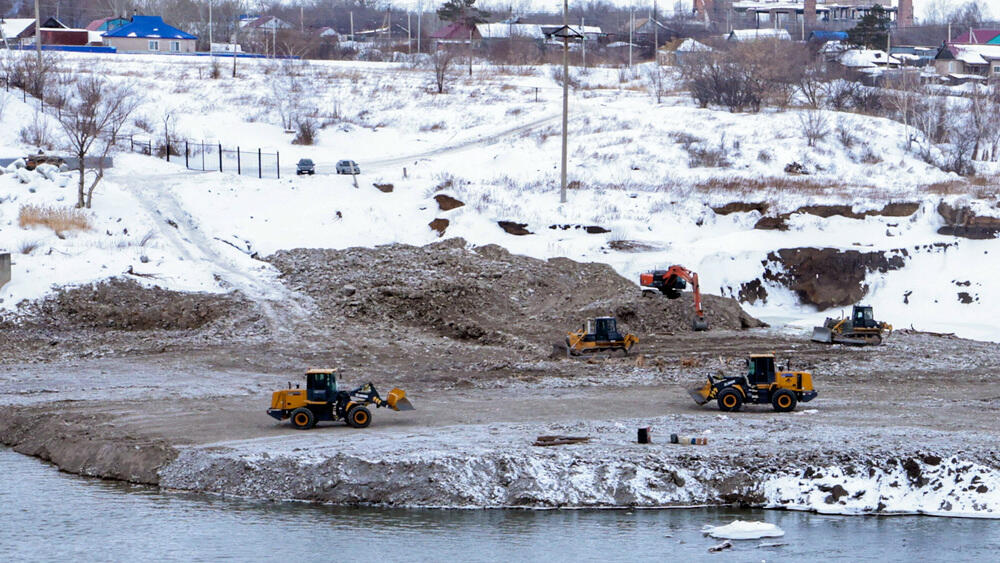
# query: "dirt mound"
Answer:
x=827 y=277
x=119 y=304
x=483 y=294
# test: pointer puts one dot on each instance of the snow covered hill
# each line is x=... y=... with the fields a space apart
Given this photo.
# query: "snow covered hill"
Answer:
x=651 y=185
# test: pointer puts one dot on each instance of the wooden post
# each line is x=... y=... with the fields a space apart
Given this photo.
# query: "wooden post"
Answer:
x=168 y=151
x=277 y=162
x=260 y=170
x=186 y=153
x=220 y=157
x=239 y=166
x=4 y=268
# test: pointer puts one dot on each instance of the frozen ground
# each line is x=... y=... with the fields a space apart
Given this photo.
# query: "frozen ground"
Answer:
x=649 y=175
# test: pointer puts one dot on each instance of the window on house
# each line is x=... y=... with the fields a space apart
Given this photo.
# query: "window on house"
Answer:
x=996 y=70
x=154 y=45
x=175 y=46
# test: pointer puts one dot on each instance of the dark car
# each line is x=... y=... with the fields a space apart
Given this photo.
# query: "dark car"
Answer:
x=305 y=166
x=348 y=167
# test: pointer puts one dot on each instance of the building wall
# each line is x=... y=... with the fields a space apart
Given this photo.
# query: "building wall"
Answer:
x=141 y=44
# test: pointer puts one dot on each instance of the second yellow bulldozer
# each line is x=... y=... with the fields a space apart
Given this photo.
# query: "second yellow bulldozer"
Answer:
x=597 y=335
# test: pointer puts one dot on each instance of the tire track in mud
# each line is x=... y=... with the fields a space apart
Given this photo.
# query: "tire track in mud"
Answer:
x=285 y=311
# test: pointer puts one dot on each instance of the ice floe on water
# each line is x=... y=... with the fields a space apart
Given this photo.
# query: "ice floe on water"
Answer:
x=744 y=530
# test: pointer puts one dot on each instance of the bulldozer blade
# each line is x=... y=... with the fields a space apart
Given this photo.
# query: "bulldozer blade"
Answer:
x=822 y=334
x=559 y=350
x=397 y=400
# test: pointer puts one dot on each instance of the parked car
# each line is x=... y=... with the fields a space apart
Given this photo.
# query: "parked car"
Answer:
x=348 y=167
x=305 y=166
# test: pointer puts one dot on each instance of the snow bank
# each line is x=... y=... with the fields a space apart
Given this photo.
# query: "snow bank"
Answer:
x=952 y=487
x=744 y=530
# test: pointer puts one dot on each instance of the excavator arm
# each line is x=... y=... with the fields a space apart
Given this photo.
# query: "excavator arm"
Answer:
x=664 y=281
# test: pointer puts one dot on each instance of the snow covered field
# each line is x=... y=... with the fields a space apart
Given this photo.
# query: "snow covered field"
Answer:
x=648 y=174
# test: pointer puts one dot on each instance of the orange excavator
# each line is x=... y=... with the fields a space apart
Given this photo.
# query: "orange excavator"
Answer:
x=670 y=282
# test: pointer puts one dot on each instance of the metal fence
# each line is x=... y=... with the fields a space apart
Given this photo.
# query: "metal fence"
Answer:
x=206 y=156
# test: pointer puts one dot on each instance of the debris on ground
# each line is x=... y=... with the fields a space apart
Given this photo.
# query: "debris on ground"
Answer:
x=560 y=440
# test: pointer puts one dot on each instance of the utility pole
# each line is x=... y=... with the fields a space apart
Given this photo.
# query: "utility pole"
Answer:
x=420 y=16
x=211 y=53
x=409 y=40
x=656 y=34
x=631 y=26
x=302 y=19
x=583 y=42
x=565 y=108
x=470 y=51
x=38 y=35
x=352 y=26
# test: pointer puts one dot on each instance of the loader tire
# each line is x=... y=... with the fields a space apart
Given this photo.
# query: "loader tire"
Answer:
x=303 y=418
x=729 y=400
x=783 y=401
x=359 y=417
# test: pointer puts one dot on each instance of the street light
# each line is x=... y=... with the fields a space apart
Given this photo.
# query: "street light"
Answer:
x=565 y=33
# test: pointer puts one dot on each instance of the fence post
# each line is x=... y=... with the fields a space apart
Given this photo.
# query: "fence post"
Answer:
x=277 y=161
x=260 y=171
x=239 y=166
x=186 y=155
x=131 y=143
x=168 y=151
x=220 y=157
x=203 y=156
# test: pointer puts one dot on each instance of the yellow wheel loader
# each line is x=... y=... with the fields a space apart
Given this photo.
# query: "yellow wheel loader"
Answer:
x=321 y=400
x=762 y=384
x=859 y=329
x=598 y=335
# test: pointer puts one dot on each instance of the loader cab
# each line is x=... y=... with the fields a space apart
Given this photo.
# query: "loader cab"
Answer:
x=602 y=329
x=321 y=385
x=863 y=317
x=760 y=369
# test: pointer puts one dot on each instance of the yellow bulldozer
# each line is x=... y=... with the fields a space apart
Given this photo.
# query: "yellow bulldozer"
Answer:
x=761 y=384
x=597 y=335
x=859 y=329
x=321 y=400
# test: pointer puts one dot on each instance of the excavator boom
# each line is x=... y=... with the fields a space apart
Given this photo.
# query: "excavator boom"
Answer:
x=670 y=282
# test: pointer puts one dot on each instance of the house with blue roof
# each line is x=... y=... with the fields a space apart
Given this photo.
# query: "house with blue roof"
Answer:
x=150 y=34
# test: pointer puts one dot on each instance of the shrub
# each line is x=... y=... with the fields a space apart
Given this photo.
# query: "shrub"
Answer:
x=305 y=132
x=59 y=219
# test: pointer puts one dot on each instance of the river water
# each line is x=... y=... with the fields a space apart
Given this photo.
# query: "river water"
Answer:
x=49 y=515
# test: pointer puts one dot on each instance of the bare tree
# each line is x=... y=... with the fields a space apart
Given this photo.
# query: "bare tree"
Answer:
x=92 y=122
x=815 y=126
x=656 y=77
x=441 y=61
x=901 y=93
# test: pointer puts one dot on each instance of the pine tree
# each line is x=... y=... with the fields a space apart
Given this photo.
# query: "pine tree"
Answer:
x=462 y=11
x=872 y=30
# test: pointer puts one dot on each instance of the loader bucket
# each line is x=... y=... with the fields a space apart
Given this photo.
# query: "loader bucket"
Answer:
x=822 y=334
x=700 y=394
x=397 y=400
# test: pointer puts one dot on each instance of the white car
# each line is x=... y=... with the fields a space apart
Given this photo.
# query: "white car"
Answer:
x=348 y=167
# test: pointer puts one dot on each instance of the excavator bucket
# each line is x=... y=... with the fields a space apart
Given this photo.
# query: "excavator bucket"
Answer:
x=822 y=334
x=397 y=400
x=699 y=324
x=701 y=394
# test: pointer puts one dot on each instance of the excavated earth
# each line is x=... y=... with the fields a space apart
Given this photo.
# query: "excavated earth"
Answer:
x=175 y=395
